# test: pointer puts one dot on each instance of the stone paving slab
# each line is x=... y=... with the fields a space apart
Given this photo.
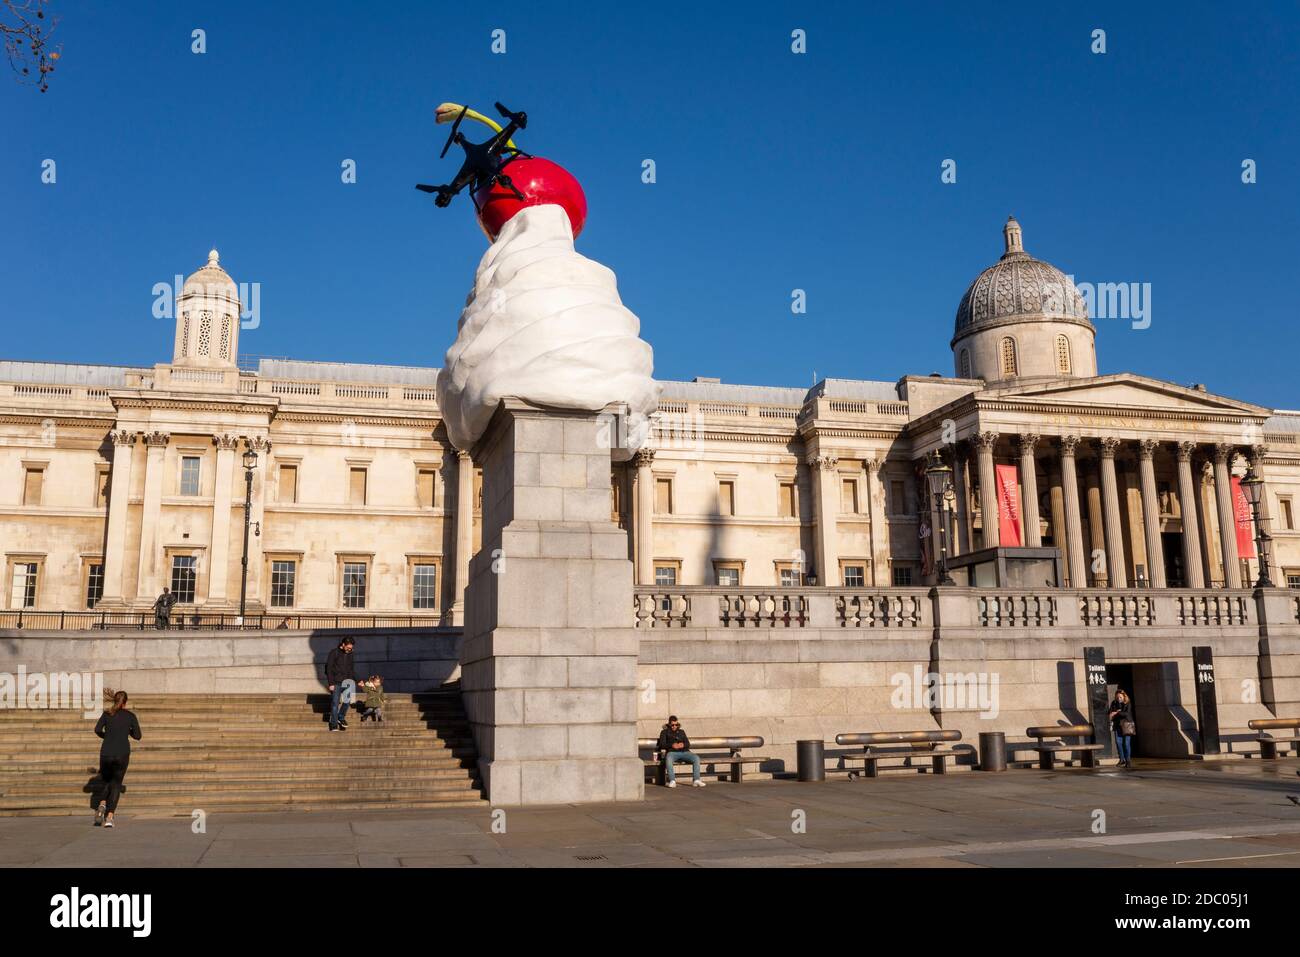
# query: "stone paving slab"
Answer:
x=1190 y=814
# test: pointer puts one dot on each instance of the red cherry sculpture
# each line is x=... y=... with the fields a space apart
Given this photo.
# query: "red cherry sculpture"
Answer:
x=541 y=181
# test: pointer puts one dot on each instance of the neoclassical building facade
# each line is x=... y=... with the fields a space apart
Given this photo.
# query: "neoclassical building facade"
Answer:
x=118 y=481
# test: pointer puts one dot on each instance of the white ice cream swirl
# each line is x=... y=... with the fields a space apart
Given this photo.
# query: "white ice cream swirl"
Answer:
x=546 y=325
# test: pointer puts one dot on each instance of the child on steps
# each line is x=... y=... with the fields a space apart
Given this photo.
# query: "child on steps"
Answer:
x=374 y=703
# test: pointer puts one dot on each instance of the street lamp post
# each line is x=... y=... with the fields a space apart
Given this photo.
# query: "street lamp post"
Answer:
x=250 y=463
x=1252 y=486
x=938 y=475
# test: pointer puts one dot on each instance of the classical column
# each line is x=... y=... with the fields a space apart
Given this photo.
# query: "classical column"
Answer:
x=984 y=443
x=1056 y=495
x=1096 y=543
x=1115 y=564
x=1151 y=512
x=1223 y=456
x=1191 y=526
x=1205 y=499
x=464 y=533
x=961 y=491
x=826 y=503
x=877 y=499
x=1073 y=521
x=219 y=557
x=1029 y=494
x=118 y=493
x=148 y=582
x=644 y=506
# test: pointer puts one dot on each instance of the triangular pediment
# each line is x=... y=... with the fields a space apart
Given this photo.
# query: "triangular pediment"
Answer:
x=1121 y=391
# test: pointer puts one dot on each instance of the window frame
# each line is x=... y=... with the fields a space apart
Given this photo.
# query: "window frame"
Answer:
x=181 y=476
x=173 y=567
x=859 y=563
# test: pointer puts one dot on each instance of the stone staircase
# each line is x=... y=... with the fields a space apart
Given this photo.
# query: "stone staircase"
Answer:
x=246 y=752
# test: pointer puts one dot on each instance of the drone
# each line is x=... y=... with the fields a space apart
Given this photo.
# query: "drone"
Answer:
x=484 y=162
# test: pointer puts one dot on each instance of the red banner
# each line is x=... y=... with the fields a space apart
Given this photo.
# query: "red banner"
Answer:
x=1245 y=527
x=1008 y=505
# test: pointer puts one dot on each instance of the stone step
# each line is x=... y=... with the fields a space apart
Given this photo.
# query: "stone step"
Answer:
x=273 y=798
x=449 y=800
x=158 y=783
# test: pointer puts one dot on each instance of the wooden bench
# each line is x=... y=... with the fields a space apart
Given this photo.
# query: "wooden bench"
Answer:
x=924 y=744
x=732 y=759
x=1268 y=744
x=1047 y=752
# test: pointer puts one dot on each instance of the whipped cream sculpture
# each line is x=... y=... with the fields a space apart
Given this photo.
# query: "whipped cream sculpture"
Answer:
x=543 y=323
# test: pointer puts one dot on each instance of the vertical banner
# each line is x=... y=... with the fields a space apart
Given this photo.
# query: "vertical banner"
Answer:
x=1094 y=666
x=1241 y=516
x=1207 y=705
x=1008 y=504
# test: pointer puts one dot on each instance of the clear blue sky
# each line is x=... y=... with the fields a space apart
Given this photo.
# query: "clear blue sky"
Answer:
x=775 y=171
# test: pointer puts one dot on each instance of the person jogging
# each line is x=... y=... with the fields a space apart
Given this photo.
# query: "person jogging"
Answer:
x=116 y=726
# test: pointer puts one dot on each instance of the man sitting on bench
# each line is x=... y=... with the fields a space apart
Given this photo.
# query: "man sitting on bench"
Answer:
x=674 y=746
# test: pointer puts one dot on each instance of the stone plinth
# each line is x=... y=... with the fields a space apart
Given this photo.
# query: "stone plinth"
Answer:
x=549 y=662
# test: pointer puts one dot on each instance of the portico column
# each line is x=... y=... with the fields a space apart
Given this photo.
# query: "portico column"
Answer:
x=826 y=504
x=876 y=500
x=959 y=489
x=1115 y=564
x=1223 y=456
x=1191 y=525
x=984 y=443
x=1029 y=485
x=644 y=505
x=147 y=581
x=464 y=533
x=219 y=559
x=1073 y=520
x=1205 y=499
x=1151 y=512
x=118 y=493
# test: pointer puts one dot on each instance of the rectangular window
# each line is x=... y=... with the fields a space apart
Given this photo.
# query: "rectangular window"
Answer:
x=425 y=586
x=184 y=577
x=615 y=499
x=663 y=496
x=190 y=475
x=22 y=592
x=789 y=576
x=1293 y=578
x=33 y=486
x=288 y=483
x=1288 y=518
x=902 y=575
x=855 y=576
x=101 y=486
x=849 y=496
x=94 y=584
x=786 y=500
x=665 y=575
x=426 y=488
x=898 y=497
x=284 y=581
x=727 y=576
x=726 y=498
x=354 y=584
x=357 y=487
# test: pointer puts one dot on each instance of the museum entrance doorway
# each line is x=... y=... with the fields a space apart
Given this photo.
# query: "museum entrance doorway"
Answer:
x=1158 y=711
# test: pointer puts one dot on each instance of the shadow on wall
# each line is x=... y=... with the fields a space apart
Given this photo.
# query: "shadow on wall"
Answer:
x=406 y=663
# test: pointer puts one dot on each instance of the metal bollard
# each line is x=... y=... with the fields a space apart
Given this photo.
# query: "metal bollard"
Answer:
x=993 y=751
x=812 y=760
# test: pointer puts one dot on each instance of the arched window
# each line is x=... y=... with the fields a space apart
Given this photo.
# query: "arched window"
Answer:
x=1008 y=354
x=1063 y=355
x=965 y=364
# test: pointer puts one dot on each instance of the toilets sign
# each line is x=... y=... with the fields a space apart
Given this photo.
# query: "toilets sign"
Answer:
x=1207 y=703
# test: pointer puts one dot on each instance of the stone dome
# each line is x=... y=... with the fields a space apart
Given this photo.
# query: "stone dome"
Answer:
x=211 y=280
x=1017 y=288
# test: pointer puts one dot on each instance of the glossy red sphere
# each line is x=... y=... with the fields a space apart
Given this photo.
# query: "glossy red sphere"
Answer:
x=541 y=181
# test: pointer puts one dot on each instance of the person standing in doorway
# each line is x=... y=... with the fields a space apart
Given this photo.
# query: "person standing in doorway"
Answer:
x=1121 y=719
x=341 y=678
x=116 y=727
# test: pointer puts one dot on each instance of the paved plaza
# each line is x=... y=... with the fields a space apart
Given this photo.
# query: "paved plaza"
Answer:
x=1192 y=814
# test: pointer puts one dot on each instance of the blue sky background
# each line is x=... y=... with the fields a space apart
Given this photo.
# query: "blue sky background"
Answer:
x=775 y=172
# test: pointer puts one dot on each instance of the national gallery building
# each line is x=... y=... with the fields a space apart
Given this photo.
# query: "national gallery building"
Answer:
x=117 y=481
x=774 y=561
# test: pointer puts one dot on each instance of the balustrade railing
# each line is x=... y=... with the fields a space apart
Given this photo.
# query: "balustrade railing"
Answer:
x=1213 y=608
x=1013 y=610
x=1101 y=609
x=185 y=621
x=883 y=610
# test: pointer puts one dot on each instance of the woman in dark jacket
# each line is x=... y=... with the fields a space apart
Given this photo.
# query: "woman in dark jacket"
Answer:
x=1121 y=719
x=116 y=726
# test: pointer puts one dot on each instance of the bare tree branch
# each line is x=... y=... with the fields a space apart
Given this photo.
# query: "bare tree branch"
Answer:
x=26 y=31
